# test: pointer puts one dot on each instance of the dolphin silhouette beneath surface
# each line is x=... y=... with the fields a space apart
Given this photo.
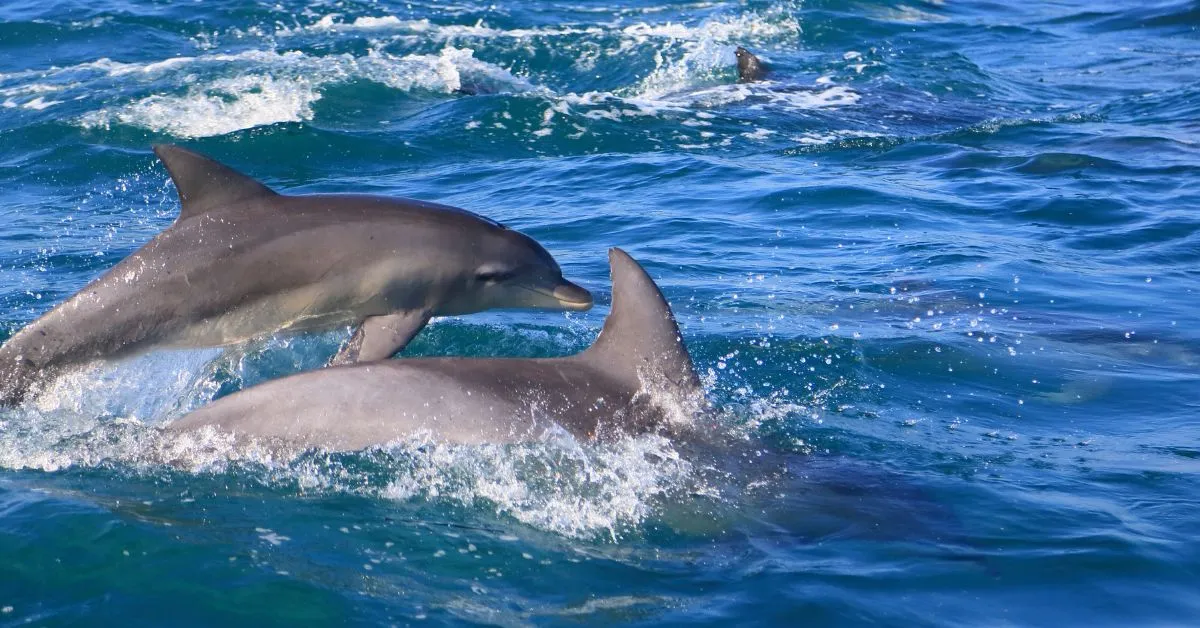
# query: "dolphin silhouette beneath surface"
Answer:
x=243 y=261
x=634 y=378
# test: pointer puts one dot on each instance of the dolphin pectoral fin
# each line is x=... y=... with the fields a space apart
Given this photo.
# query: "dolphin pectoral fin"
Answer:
x=380 y=337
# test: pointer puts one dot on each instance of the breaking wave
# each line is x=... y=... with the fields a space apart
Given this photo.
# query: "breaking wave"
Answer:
x=218 y=93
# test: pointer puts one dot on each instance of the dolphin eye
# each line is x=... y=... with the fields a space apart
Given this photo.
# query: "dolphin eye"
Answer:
x=491 y=276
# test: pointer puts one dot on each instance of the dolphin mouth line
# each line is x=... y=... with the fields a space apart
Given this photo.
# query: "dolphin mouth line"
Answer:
x=582 y=304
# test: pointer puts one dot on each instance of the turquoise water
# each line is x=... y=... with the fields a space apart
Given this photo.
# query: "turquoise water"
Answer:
x=938 y=274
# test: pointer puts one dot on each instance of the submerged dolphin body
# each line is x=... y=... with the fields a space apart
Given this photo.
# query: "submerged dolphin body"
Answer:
x=636 y=373
x=242 y=261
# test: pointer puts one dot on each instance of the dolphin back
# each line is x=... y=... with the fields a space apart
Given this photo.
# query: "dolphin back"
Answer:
x=640 y=343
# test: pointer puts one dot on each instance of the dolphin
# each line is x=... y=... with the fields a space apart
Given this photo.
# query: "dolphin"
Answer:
x=634 y=378
x=242 y=261
x=750 y=69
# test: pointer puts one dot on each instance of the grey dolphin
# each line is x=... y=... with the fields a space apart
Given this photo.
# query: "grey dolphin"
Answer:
x=750 y=69
x=630 y=380
x=242 y=261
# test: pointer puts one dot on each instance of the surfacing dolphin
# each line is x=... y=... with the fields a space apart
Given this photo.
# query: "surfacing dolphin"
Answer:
x=242 y=261
x=632 y=379
x=749 y=67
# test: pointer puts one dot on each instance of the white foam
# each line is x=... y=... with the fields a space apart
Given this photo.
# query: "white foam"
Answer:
x=609 y=106
x=759 y=94
x=430 y=30
x=556 y=483
x=144 y=388
x=103 y=65
x=758 y=134
x=283 y=87
x=699 y=64
x=911 y=15
x=835 y=96
x=219 y=93
x=220 y=107
x=272 y=537
x=40 y=103
x=820 y=139
x=707 y=47
x=376 y=22
x=614 y=107
x=30 y=89
x=735 y=29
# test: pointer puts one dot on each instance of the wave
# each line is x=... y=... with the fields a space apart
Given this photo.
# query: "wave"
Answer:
x=220 y=93
x=554 y=483
x=431 y=30
x=223 y=106
x=283 y=87
x=109 y=417
x=775 y=23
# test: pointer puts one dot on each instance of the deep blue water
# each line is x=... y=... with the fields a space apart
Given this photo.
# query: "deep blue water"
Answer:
x=939 y=274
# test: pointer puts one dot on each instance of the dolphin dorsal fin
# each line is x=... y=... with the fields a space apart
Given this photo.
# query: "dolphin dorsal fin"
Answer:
x=640 y=335
x=205 y=184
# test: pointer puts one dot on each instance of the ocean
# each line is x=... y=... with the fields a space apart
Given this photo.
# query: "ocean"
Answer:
x=938 y=273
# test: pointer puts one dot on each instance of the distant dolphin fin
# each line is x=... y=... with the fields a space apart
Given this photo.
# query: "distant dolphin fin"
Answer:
x=640 y=335
x=205 y=184
x=750 y=68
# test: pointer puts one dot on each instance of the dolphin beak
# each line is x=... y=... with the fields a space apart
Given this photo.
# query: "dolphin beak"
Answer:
x=558 y=294
x=572 y=297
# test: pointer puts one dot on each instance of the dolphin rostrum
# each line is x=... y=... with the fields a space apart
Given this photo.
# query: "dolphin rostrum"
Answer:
x=750 y=69
x=242 y=261
x=634 y=378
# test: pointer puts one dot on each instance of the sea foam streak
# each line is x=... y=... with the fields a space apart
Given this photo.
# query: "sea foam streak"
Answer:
x=112 y=414
x=553 y=483
x=282 y=87
x=220 y=93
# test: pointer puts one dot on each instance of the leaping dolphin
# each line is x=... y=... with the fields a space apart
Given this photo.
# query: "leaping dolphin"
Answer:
x=242 y=261
x=630 y=380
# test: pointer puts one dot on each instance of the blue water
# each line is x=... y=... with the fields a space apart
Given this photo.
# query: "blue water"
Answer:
x=938 y=274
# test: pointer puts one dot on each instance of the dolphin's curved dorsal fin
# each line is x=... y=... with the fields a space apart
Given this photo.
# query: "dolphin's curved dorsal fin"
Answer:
x=204 y=184
x=640 y=334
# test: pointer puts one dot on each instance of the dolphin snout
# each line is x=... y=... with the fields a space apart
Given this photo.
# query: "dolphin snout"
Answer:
x=572 y=297
x=553 y=293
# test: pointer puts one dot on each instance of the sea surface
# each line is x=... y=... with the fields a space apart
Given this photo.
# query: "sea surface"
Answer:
x=938 y=273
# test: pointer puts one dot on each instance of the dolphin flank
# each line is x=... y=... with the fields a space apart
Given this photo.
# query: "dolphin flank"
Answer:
x=243 y=261
x=629 y=381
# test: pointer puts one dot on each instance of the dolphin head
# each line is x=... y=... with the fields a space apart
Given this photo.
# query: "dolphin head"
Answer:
x=511 y=270
x=749 y=67
x=447 y=259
